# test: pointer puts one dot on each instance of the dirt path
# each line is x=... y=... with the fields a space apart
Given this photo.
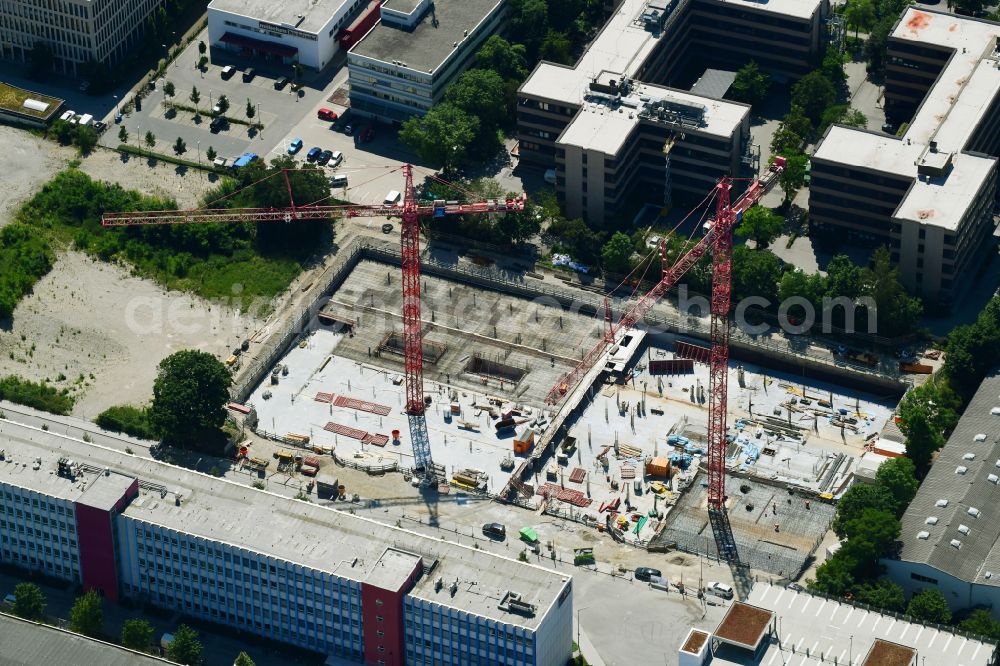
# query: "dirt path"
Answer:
x=104 y=332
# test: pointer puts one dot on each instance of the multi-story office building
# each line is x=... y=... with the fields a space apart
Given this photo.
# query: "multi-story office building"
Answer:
x=304 y=31
x=77 y=31
x=285 y=569
x=929 y=193
x=402 y=66
x=612 y=128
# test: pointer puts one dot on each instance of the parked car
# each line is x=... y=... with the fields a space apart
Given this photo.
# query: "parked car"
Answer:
x=348 y=130
x=248 y=74
x=313 y=153
x=719 y=590
x=324 y=157
x=338 y=181
x=294 y=146
x=100 y=126
x=494 y=530
x=118 y=118
x=281 y=83
x=645 y=573
x=336 y=158
x=228 y=71
x=326 y=114
x=795 y=587
x=218 y=123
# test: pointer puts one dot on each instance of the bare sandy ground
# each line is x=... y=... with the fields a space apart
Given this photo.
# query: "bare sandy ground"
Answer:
x=149 y=177
x=27 y=162
x=105 y=332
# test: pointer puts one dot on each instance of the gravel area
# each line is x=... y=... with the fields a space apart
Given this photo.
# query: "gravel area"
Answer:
x=149 y=176
x=94 y=320
x=28 y=162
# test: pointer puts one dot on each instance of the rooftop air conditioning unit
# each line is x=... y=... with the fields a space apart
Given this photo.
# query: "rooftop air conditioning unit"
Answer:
x=955 y=543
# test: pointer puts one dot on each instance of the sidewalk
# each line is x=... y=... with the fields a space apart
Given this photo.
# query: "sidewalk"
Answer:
x=588 y=650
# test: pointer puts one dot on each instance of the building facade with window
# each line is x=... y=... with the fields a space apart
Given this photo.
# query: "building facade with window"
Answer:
x=300 y=31
x=284 y=569
x=403 y=65
x=77 y=31
x=928 y=194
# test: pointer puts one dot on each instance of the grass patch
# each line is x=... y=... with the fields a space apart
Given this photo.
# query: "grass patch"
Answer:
x=172 y=159
x=38 y=396
x=12 y=99
x=214 y=261
x=24 y=259
x=127 y=419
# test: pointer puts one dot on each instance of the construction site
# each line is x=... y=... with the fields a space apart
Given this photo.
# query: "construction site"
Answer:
x=626 y=458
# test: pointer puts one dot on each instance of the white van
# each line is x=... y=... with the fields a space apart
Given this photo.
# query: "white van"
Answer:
x=719 y=590
x=392 y=198
x=335 y=159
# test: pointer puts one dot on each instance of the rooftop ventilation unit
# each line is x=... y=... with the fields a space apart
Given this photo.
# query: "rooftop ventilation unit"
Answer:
x=454 y=587
x=970 y=456
x=438 y=584
x=981 y=437
x=514 y=604
x=993 y=478
x=995 y=411
x=931 y=520
x=973 y=511
x=923 y=535
x=964 y=529
x=955 y=543
x=941 y=503
x=961 y=469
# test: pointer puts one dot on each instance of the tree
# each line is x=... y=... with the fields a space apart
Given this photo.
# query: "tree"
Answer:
x=87 y=617
x=898 y=312
x=506 y=59
x=222 y=104
x=922 y=440
x=617 y=253
x=137 y=634
x=860 y=14
x=882 y=594
x=870 y=536
x=556 y=47
x=202 y=62
x=980 y=622
x=813 y=93
x=855 y=500
x=761 y=225
x=970 y=7
x=441 y=137
x=29 y=602
x=250 y=110
x=202 y=47
x=62 y=131
x=929 y=605
x=899 y=477
x=243 y=659
x=180 y=147
x=755 y=273
x=793 y=176
x=85 y=139
x=843 y=278
x=185 y=648
x=189 y=395
x=529 y=20
x=973 y=350
x=576 y=238
x=480 y=93
x=123 y=134
x=835 y=576
x=150 y=139
x=195 y=96
x=877 y=43
x=795 y=129
x=40 y=60
x=168 y=88
x=211 y=154
x=751 y=84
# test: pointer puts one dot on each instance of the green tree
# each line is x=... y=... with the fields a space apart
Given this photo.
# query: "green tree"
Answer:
x=798 y=283
x=506 y=59
x=795 y=129
x=195 y=96
x=180 y=147
x=123 y=134
x=616 y=255
x=755 y=273
x=843 y=278
x=87 y=616
x=832 y=67
x=761 y=225
x=29 y=602
x=480 y=93
x=813 y=93
x=186 y=647
x=835 y=576
x=929 y=605
x=898 y=312
x=202 y=47
x=41 y=60
x=860 y=15
x=203 y=62
x=980 y=622
x=970 y=7
x=860 y=496
x=441 y=137
x=85 y=139
x=922 y=440
x=751 y=84
x=576 y=238
x=529 y=20
x=168 y=88
x=250 y=110
x=869 y=537
x=899 y=477
x=62 y=130
x=556 y=47
x=243 y=659
x=150 y=139
x=189 y=396
x=882 y=594
x=137 y=634
x=877 y=43
x=211 y=154
x=973 y=350
x=793 y=176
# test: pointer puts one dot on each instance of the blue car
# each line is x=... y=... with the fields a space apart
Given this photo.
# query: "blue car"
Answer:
x=294 y=146
x=313 y=153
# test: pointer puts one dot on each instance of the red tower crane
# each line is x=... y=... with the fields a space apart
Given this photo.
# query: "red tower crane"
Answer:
x=410 y=211
x=718 y=239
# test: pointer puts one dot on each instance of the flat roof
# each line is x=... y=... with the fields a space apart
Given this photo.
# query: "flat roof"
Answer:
x=300 y=532
x=949 y=114
x=26 y=642
x=830 y=628
x=429 y=44
x=393 y=569
x=744 y=625
x=928 y=528
x=884 y=653
x=305 y=15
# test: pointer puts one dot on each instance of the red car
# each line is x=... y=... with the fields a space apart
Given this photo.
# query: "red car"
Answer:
x=326 y=114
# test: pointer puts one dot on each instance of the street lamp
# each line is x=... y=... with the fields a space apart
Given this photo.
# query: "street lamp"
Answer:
x=199 y=152
x=578 y=611
x=117 y=111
